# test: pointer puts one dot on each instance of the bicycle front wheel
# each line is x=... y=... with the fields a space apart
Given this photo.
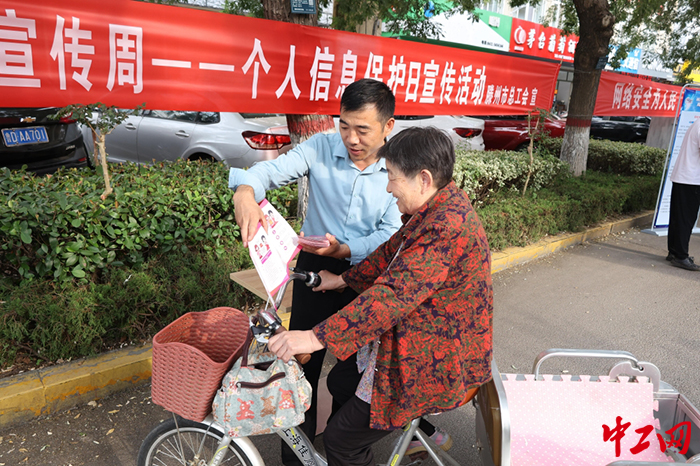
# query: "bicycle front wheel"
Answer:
x=186 y=443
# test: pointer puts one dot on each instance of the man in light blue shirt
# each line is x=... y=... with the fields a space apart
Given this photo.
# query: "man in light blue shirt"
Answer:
x=348 y=203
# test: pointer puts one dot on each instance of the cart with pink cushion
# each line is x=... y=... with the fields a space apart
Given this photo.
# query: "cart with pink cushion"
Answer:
x=628 y=417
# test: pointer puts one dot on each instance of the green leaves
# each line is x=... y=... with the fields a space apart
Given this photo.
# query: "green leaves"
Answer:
x=483 y=174
x=26 y=236
x=98 y=116
x=623 y=158
x=59 y=228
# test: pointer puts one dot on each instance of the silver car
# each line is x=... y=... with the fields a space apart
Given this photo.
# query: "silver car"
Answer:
x=236 y=139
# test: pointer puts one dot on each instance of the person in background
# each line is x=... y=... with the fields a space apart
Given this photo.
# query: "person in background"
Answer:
x=685 y=200
x=422 y=324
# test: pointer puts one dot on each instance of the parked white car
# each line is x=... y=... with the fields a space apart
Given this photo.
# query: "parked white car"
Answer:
x=466 y=132
x=240 y=139
x=236 y=139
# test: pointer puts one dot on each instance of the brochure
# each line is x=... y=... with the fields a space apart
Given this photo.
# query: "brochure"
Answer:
x=272 y=251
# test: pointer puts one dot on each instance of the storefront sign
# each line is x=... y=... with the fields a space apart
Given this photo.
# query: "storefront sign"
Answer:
x=534 y=39
x=125 y=53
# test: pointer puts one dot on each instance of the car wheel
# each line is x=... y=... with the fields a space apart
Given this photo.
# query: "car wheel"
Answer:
x=202 y=157
x=90 y=158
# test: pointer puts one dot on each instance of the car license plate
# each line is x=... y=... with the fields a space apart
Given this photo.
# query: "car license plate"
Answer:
x=21 y=136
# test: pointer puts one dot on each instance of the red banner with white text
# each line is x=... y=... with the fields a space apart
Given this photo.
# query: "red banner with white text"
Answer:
x=624 y=95
x=125 y=53
x=535 y=39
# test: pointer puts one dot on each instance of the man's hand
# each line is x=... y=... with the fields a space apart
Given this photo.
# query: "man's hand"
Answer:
x=248 y=213
x=330 y=281
x=336 y=250
x=286 y=344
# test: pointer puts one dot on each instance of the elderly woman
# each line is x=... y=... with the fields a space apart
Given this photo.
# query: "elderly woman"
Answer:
x=422 y=323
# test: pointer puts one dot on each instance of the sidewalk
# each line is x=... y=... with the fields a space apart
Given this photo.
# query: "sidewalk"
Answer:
x=56 y=388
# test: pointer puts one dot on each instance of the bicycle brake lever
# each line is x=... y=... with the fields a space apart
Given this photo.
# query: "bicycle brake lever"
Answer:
x=270 y=318
x=267 y=324
x=261 y=334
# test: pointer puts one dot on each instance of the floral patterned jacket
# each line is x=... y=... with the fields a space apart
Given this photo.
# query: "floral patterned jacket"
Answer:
x=427 y=295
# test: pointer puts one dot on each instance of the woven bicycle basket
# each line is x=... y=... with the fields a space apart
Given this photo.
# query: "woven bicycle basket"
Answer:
x=191 y=356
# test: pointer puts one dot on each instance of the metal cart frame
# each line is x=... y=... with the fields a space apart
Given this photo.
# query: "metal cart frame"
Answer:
x=493 y=422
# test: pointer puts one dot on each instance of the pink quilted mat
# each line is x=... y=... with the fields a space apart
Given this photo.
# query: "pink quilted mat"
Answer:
x=561 y=422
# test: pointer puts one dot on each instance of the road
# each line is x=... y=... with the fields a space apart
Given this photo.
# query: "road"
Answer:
x=618 y=293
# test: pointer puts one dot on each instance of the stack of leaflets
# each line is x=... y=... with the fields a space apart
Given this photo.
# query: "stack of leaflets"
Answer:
x=314 y=241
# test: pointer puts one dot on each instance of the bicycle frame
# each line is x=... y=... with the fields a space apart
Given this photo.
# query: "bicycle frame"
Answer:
x=245 y=444
x=307 y=454
x=296 y=438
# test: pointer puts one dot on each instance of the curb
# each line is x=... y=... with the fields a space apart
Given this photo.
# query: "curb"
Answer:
x=511 y=257
x=56 y=388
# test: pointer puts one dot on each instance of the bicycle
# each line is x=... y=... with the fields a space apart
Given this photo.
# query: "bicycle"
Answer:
x=179 y=441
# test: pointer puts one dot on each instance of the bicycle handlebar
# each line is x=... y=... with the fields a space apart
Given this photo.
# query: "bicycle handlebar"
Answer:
x=272 y=322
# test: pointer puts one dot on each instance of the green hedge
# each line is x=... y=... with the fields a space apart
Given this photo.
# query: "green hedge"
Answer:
x=58 y=227
x=484 y=174
x=615 y=157
x=81 y=274
x=569 y=204
x=121 y=305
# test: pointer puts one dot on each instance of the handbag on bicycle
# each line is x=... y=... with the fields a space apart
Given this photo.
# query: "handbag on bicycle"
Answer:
x=261 y=394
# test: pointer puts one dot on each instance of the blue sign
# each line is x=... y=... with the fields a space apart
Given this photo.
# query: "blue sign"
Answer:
x=429 y=9
x=304 y=7
x=632 y=62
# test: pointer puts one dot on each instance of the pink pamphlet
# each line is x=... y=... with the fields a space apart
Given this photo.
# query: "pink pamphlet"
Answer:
x=273 y=250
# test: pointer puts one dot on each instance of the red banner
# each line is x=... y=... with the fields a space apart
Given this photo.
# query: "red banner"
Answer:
x=534 y=39
x=625 y=95
x=125 y=53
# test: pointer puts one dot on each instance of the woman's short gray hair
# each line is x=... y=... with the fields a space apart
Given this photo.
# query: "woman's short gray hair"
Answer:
x=415 y=149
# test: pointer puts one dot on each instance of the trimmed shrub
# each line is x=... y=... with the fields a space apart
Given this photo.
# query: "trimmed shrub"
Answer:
x=81 y=275
x=623 y=158
x=57 y=227
x=52 y=320
x=569 y=204
x=484 y=174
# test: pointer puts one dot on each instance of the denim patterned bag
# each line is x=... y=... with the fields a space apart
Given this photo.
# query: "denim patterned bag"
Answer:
x=261 y=394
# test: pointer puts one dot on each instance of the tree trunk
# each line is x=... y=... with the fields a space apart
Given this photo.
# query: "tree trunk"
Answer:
x=281 y=10
x=301 y=127
x=95 y=148
x=103 y=163
x=596 y=25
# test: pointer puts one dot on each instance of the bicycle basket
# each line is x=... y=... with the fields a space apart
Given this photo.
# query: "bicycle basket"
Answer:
x=191 y=356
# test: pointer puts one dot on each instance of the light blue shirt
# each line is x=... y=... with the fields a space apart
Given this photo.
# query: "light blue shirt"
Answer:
x=351 y=204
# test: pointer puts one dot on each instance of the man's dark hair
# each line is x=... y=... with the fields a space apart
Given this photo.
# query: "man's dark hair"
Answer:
x=415 y=149
x=369 y=92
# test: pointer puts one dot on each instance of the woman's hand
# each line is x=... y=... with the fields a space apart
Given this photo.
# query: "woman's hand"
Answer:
x=330 y=281
x=286 y=344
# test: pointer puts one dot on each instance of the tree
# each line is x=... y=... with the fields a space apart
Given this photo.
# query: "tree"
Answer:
x=596 y=25
x=400 y=16
x=667 y=25
x=101 y=120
